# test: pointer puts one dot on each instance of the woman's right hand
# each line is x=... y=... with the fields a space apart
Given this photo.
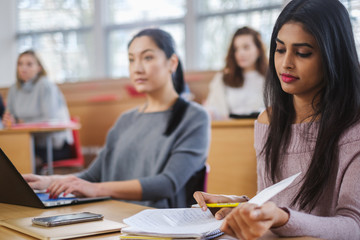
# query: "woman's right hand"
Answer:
x=203 y=198
x=8 y=120
x=38 y=182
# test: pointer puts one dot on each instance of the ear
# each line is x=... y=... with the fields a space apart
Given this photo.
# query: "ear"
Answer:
x=173 y=62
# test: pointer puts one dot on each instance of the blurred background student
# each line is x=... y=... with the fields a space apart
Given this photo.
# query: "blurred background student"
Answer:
x=33 y=98
x=152 y=151
x=237 y=89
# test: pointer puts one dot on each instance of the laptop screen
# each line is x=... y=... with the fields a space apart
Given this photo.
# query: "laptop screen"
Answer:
x=14 y=189
x=20 y=193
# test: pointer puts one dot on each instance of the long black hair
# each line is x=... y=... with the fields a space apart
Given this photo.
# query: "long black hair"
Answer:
x=165 y=42
x=339 y=106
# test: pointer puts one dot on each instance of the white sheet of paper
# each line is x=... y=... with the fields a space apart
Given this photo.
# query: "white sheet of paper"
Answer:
x=271 y=191
x=177 y=221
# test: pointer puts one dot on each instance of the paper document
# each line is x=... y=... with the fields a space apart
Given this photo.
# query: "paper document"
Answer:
x=177 y=222
x=262 y=197
x=189 y=222
x=271 y=191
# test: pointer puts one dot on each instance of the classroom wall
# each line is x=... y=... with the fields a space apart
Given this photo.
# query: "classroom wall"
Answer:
x=7 y=42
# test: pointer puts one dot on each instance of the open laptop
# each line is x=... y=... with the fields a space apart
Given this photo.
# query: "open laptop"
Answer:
x=15 y=190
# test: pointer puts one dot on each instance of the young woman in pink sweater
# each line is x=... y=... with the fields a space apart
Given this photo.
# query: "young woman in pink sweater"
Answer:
x=311 y=125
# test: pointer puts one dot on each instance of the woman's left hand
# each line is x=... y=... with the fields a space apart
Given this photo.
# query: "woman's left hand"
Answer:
x=7 y=119
x=249 y=221
x=74 y=185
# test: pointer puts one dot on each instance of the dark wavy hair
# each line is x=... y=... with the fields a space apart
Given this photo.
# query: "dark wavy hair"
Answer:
x=338 y=107
x=233 y=74
x=165 y=42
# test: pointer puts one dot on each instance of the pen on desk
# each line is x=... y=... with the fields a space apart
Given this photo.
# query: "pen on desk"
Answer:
x=217 y=205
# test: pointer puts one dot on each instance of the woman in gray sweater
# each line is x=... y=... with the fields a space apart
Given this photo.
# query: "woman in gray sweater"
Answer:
x=311 y=125
x=152 y=151
x=33 y=98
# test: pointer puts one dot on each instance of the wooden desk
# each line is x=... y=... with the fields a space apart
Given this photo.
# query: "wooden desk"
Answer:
x=18 y=143
x=232 y=158
x=111 y=209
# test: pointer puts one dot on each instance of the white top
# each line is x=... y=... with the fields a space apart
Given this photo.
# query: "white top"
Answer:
x=223 y=100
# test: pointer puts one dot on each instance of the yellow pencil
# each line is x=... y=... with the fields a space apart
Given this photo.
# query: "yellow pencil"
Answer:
x=217 y=205
x=221 y=205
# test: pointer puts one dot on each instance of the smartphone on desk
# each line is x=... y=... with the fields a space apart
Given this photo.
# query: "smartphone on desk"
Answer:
x=58 y=220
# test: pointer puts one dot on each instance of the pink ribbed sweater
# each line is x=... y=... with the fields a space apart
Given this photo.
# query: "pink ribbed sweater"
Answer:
x=337 y=214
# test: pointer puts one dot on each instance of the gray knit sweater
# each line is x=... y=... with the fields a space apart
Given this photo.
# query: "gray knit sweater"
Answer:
x=337 y=214
x=38 y=102
x=136 y=148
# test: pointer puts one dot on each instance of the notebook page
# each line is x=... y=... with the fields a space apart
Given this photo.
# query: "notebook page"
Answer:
x=179 y=221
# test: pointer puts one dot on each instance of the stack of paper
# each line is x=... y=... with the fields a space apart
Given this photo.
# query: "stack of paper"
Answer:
x=174 y=223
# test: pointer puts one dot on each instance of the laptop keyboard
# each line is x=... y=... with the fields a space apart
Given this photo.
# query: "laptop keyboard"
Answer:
x=45 y=197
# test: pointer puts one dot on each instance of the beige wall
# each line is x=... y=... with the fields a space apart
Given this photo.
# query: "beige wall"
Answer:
x=7 y=42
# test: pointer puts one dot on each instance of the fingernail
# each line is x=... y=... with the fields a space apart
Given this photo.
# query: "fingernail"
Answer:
x=47 y=190
x=204 y=208
x=218 y=216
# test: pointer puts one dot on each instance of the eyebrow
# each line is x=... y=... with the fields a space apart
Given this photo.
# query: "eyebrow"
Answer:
x=296 y=44
x=146 y=50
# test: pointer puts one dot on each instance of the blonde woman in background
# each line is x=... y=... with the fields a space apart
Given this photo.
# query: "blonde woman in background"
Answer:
x=33 y=98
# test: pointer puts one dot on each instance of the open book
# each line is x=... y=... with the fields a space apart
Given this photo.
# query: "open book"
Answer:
x=189 y=222
x=174 y=223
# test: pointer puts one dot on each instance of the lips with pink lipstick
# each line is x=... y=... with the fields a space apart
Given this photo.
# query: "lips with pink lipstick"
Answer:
x=140 y=80
x=288 y=78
